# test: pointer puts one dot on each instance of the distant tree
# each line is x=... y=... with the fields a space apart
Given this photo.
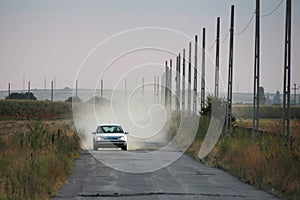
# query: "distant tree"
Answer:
x=73 y=99
x=261 y=95
x=276 y=98
x=17 y=95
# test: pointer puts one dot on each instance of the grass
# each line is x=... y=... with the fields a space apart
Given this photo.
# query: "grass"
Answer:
x=262 y=161
x=273 y=126
x=265 y=111
x=34 y=110
x=35 y=155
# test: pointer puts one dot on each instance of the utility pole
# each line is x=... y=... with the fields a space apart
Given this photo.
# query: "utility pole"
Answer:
x=170 y=85
x=162 y=88
x=8 y=89
x=203 y=73
x=157 y=88
x=255 y=126
x=179 y=63
x=101 y=88
x=195 y=78
x=189 y=79
x=183 y=82
x=28 y=93
x=166 y=85
x=76 y=89
x=217 y=59
x=287 y=75
x=154 y=89
x=177 y=85
x=230 y=74
x=51 y=91
x=295 y=88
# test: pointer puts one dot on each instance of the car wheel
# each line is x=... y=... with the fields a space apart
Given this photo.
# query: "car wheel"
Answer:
x=124 y=148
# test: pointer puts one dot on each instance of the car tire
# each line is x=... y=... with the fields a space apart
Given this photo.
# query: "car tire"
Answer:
x=124 y=148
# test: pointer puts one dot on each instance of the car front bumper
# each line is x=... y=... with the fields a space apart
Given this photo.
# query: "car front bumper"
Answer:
x=102 y=144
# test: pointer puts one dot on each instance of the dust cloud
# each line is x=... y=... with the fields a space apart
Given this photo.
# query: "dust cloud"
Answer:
x=143 y=117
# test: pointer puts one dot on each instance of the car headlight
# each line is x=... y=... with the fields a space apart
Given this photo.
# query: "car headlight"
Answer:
x=123 y=138
x=98 y=138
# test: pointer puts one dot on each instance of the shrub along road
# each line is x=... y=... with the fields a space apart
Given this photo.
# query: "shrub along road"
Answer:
x=183 y=179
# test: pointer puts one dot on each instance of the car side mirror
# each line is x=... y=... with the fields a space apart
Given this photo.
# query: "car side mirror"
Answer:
x=127 y=133
x=93 y=133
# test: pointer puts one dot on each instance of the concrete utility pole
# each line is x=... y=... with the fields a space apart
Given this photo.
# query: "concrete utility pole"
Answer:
x=154 y=89
x=157 y=89
x=217 y=59
x=170 y=85
x=76 y=89
x=177 y=86
x=28 y=90
x=179 y=63
x=203 y=72
x=189 y=79
x=295 y=88
x=195 y=78
x=178 y=83
x=166 y=85
x=183 y=82
x=287 y=75
x=162 y=88
x=8 y=90
x=101 y=88
x=230 y=74
x=255 y=126
x=51 y=91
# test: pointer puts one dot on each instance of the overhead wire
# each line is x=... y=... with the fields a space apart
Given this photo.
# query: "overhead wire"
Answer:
x=270 y=13
x=248 y=24
x=212 y=46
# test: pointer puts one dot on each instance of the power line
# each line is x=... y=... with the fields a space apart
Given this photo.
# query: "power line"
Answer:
x=270 y=13
x=248 y=24
x=210 y=48
x=245 y=28
x=225 y=38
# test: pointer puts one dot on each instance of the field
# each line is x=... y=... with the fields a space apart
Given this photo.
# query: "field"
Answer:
x=37 y=147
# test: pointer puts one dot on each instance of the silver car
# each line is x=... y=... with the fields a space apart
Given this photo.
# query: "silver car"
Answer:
x=110 y=135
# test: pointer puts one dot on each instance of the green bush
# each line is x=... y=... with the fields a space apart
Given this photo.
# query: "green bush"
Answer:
x=28 y=96
x=34 y=110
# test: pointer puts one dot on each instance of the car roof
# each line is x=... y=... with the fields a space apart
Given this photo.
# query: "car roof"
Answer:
x=109 y=125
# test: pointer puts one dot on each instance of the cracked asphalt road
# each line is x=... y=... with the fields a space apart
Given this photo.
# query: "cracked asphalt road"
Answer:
x=183 y=179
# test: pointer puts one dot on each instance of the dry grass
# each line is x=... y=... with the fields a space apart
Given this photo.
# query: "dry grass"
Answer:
x=35 y=156
x=35 y=160
x=273 y=126
x=262 y=161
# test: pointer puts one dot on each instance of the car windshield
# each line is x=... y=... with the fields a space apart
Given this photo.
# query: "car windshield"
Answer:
x=109 y=129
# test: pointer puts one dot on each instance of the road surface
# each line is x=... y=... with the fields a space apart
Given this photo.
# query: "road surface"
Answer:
x=183 y=179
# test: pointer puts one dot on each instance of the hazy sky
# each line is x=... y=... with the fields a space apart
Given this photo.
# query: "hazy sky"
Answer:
x=52 y=39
